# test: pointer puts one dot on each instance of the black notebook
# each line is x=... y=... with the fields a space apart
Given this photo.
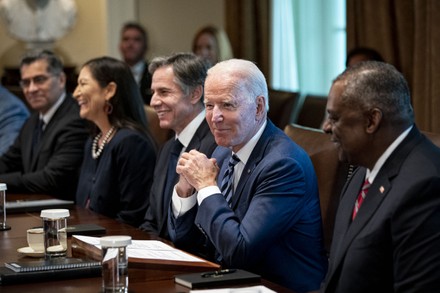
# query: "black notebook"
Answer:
x=8 y=276
x=217 y=278
x=52 y=264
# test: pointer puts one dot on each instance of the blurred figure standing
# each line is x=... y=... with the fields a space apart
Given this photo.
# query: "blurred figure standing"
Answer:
x=360 y=54
x=212 y=44
x=133 y=46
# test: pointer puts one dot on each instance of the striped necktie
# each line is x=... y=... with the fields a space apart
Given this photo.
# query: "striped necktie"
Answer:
x=360 y=198
x=228 y=179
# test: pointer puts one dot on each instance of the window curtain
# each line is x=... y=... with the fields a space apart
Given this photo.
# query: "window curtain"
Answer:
x=284 y=67
x=406 y=33
x=247 y=25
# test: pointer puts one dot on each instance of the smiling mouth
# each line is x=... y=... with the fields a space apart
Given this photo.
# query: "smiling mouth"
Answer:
x=162 y=113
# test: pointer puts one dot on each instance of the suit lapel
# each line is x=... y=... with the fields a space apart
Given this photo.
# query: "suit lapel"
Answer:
x=255 y=157
x=344 y=213
x=46 y=137
x=29 y=159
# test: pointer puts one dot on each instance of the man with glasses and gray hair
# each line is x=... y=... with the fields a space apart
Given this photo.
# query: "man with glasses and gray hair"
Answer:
x=46 y=156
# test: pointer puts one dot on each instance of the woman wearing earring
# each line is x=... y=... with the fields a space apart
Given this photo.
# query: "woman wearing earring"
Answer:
x=119 y=157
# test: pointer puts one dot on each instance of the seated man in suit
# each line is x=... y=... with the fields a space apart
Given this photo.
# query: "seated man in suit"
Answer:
x=13 y=114
x=387 y=228
x=178 y=101
x=133 y=46
x=262 y=213
x=46 y=156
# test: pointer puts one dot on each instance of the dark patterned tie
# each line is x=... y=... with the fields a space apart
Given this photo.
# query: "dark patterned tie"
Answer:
x=38 y=132
x=360 y=198
x=228 y=179
x=171 y=179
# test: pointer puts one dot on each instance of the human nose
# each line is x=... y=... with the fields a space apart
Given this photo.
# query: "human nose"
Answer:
x=76 y=93
x=155 y=100
x=327 y=126
x=217 y=114
x=32 y=86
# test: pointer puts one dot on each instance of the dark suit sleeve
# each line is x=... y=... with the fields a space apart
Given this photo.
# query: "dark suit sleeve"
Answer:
x=277 y=201
x=10 y=162
x=416 y=234
x=12 y=118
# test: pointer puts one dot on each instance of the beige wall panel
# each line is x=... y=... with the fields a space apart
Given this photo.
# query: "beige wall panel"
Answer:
x=171 y=24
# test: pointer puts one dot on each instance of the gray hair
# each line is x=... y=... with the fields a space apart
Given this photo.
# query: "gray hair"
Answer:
x=248 y=78
x=380 y=85
x=55 y=65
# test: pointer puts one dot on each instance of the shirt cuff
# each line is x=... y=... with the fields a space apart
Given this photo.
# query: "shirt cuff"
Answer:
x=180 y=205
x=207 y=191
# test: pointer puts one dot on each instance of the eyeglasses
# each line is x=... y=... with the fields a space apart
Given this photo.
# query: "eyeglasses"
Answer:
x=37 y=80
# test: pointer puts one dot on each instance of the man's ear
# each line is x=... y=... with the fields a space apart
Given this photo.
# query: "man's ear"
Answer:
x=196 y=94
x=63 y=79
x=261 y=107
x=374 y=118
x=110 y=90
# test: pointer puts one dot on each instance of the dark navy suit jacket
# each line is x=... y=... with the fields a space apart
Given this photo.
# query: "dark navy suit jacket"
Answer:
x=274 y=224
x=393 y=244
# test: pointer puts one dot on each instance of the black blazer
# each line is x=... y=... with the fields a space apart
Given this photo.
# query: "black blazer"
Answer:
x=393 y=244
x=54 y=169
x=157 y=212
x=118 y=182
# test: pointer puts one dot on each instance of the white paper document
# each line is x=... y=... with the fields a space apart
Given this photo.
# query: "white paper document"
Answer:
x=147 y=249
x=253 y=289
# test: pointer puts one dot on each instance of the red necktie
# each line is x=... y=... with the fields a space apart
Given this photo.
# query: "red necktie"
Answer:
x=360 y=198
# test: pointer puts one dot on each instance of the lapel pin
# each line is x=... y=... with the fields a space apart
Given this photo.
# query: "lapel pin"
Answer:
x=382 y=189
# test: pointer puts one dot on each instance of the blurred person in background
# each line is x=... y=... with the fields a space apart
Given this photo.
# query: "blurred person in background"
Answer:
x=212 y=44
x=133 y=46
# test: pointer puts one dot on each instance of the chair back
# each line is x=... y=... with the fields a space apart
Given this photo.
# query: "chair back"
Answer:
x=312 y=111
x=282 y=105
x=331 y=173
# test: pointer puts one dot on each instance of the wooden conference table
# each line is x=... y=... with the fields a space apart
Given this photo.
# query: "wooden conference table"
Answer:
x=155 y=280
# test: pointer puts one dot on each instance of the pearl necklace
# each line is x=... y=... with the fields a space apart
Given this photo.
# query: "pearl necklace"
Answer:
x=97 y=153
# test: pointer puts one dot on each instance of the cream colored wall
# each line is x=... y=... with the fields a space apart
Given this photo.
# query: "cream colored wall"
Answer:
x=171 y=25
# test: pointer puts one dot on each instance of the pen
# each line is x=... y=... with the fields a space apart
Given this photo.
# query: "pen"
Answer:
x=218 y=273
